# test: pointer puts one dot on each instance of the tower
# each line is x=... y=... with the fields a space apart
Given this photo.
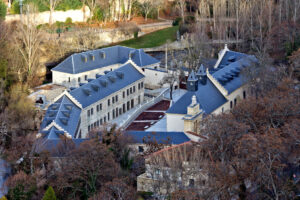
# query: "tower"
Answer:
x=201 y=74
x=192 y=82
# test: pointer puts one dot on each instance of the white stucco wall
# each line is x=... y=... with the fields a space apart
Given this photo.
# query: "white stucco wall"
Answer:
x=175 y=122
x=86 y=121
x=154 y=77
x=62 y=78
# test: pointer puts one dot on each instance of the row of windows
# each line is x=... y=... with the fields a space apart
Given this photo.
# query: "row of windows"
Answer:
x=115 y=113
x=115 y=99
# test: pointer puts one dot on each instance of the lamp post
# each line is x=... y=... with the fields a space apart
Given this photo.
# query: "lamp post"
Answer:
x=21 y=8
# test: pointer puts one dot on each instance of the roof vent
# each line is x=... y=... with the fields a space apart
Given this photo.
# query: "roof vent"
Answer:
x=84 y=58
x=72 y=88
x=120 y=75
x=55 y=106
x=87 y=91
x=52 y=113
x=102 y=54
x=95 y=87
x=98 y=75
x=103 y=83
x=90 y=79
x=231 y=58
x=64 y=120
x=112 y=79
x=81 y=84
x=59 y=133
x=49 y=120
x=222 y=80
x=68 y=106
x=66 y=113
x=91 y=56
x=131 y=53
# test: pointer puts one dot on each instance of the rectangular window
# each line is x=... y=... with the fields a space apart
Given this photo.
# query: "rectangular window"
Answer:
x=120 y=111
x=235 y=101
x=117 y=113
x=101 y=121
x=116 y=98
x=123 y=94
x=230 y=104
x=108 y=102
x=97 y=108
x=98 y=123
x=244 y=94
x=127 y=92
x=108 y=116
x=142 y=84
x=124 y=108
x=85 y=77
x=139 y=99
x=113 y=99
x=104 y=119
x=113 y=114
x=78 y=79
x=88 y=113
x=95 y=124
x=139 y=86
x=89 y=128
x=133 y=89
x=69 y=80
x=128 y=105
x=92 y=111
x=132 y=103
x=100 y=106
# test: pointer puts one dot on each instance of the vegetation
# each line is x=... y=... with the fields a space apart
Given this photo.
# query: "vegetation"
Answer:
x=2 y=10
x=49 y=194
x=154 y=39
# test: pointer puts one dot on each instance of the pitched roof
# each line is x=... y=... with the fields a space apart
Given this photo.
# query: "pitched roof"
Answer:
x=230 y=57
x=107 y=84
x=159 y=137
x=192 y=76
x=62 y=116
x=201 y=70
x=230 y=76
x=209 y=97
x=94 y=59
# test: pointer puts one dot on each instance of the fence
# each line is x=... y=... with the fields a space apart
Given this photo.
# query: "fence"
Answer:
x=143 y=107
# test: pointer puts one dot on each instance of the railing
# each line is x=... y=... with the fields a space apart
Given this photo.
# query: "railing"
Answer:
x=142 y=108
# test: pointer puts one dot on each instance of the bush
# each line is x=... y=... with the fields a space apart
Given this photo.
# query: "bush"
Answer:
x=49 y=194
x=15 y=8
x=98 y=15
x=136 y=34
x=2 y=10
x=190 y=20
x=177 y=21
x=183 y=28
x=68 y=20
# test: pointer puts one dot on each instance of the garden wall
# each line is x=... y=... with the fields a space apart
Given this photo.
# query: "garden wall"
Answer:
x=43 y=17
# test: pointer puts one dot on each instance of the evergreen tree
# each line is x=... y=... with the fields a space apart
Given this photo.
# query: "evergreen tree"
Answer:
x=2 y=10
x=49 y=194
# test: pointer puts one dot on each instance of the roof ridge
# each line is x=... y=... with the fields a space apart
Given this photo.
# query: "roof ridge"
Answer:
x=168 y=148
x=73 y=63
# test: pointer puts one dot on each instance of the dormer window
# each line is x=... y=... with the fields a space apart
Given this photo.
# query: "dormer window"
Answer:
x=91 y=56
x=84 y=58
x=102 y=55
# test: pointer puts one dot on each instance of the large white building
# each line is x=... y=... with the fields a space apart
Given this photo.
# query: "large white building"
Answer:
x=79 y=68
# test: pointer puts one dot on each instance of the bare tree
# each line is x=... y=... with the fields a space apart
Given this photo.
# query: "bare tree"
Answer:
x=147 y=6
x=29 y=39
x=181 y=5
x=52 y=4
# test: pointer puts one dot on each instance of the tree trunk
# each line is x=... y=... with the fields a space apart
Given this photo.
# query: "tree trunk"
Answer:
x=51 y=7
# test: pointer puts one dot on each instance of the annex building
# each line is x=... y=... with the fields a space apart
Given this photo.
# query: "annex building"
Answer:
x=210 y=91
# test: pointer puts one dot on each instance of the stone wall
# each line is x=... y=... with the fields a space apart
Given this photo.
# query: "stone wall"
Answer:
x=43 y=17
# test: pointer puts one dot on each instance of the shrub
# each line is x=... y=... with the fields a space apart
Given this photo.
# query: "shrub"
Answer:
x=49 y=194
x=177 y=21
x=98 y=15
x=69 y=5
x=68 y=20
x=15 y=8
x=183 y=28
x=190 y=20
x=2 y=10
x=136 y=34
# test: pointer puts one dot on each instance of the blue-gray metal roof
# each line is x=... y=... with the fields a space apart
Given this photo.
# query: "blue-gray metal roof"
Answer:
x=209 y=97
x=159 y=137
x=230 y=57
x=230 y=76
x=107 y=84
x=95 y=59
x=192 y=76
x=65 y=114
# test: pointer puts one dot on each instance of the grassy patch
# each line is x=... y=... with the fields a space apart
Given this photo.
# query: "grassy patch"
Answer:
x=154 y=39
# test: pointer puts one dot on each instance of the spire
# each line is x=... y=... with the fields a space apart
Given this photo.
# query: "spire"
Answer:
x=192 y=82
x=201 y=74
x=192 y=76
